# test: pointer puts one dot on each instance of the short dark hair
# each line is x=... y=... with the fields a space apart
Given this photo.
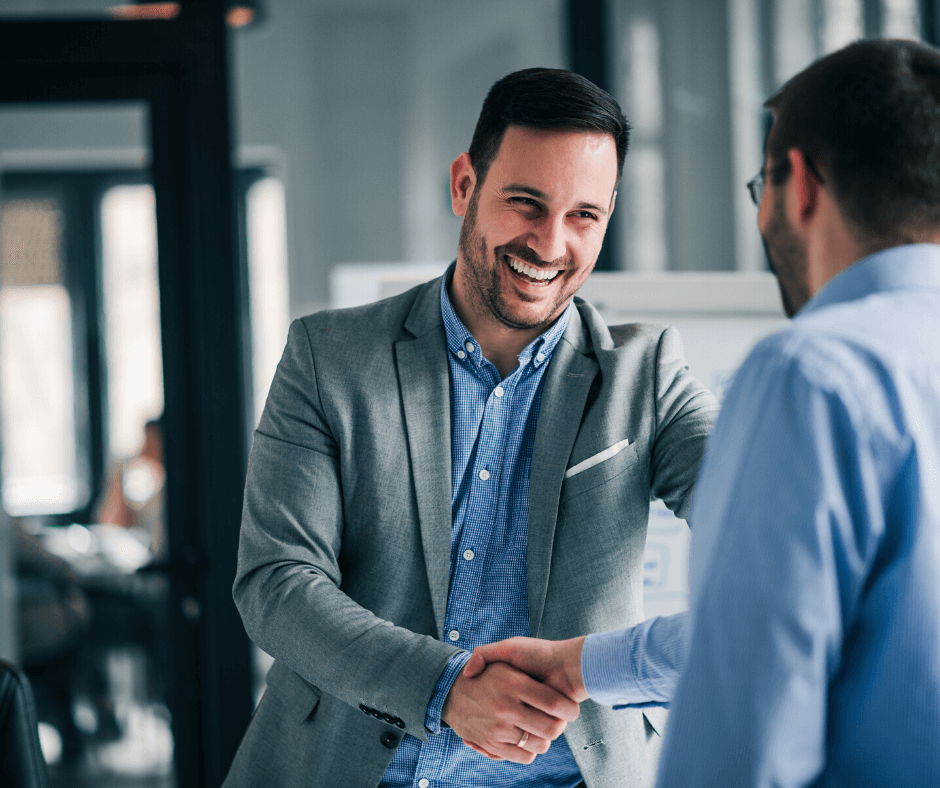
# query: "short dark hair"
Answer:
x=869 y=116
x=545 y=98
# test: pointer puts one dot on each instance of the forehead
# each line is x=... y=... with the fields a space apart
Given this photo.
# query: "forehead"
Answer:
x=579 y=165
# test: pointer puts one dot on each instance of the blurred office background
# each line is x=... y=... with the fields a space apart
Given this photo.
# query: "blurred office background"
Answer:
x=125 y=420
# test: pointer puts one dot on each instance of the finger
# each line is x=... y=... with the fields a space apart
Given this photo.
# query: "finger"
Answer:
x=536 y=745
x=510 y=752
x=482 y=751
x=537 y=723
x=548 y=700
x=501 y=651
x=520 y=757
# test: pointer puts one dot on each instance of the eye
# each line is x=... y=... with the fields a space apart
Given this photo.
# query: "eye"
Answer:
x=525 y=202
x=587 y=215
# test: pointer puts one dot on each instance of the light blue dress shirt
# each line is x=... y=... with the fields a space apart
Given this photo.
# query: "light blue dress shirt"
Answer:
x=493 y=422
x=814 y=652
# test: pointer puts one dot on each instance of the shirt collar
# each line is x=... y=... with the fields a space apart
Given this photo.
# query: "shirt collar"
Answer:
x=908 y=267
x=462 y=343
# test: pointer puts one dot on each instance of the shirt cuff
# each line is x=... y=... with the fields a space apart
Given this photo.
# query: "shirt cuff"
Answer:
x=432 y=719
x=605 y=668
x=636 y=667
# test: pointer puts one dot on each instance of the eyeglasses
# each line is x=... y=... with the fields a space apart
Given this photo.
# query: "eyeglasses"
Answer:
x=756 y=185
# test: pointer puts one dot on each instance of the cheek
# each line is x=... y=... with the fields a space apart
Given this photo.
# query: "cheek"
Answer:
x=588 y=246
x=762 y=215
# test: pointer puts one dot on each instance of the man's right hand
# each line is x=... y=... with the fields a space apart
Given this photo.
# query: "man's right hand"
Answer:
x=492 y=710
x=556 y=662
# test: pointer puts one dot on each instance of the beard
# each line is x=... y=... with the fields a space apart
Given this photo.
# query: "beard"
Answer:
x=786 y=256
x=481 y=272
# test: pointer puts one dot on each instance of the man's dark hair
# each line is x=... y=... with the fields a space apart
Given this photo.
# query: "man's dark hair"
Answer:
x=868 y=117
x=545 y=98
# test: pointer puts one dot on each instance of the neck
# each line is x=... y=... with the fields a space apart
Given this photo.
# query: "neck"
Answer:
x=834 y=246
x=500 y=344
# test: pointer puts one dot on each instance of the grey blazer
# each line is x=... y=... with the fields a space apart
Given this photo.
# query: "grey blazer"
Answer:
x=344 y=555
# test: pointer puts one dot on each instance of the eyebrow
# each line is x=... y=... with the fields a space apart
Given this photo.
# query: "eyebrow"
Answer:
x=540 y=195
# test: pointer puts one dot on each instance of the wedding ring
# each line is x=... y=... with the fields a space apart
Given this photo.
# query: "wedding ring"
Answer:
x=524 y=739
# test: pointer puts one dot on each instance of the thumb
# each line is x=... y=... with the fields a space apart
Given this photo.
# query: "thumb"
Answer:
x=475 y=665
x=501 y=651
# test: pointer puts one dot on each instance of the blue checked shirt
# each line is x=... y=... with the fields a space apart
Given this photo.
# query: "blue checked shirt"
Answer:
x=492 y=435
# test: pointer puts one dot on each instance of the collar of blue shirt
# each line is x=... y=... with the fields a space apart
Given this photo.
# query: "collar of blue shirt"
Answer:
x=462 y=343
x=907 y=267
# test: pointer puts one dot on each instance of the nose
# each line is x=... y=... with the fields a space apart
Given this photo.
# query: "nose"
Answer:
x=549 y=239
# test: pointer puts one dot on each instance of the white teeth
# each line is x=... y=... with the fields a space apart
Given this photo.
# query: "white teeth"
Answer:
x=528 y=270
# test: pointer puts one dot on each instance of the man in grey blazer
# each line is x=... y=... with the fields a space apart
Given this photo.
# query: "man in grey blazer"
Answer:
x=471 y=460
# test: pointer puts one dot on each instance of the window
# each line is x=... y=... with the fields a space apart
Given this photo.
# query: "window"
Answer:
x=267 y=281
x=42 y=473
x=132 y=309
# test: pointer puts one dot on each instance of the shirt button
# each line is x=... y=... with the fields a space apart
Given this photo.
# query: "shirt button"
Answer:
x=422 y=783
x=540 y=357
x=454 y=635
x=469 y=346
x=498 y=391
x=468 y=554
x=484 y=474
x=622 y=701
x=461 y=354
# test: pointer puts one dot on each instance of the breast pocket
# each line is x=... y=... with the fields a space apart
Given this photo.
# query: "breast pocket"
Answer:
x=599 y=474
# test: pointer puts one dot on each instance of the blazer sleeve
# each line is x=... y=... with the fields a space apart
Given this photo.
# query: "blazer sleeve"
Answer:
x=685 y=413
x=288 y=582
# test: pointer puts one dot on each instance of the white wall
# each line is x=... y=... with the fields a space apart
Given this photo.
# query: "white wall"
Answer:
x=367 y=103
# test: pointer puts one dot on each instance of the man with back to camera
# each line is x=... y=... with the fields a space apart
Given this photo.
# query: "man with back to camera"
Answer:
x=815 y=566
x=468 y=461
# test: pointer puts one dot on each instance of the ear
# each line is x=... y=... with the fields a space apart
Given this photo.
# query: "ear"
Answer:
x=803 y=192
x=463 y=180
x=613 y=202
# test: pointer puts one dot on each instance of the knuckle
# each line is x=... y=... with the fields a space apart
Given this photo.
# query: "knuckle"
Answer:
x=557 y=728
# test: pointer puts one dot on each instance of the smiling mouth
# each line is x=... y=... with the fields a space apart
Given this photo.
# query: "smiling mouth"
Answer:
x=530 y=272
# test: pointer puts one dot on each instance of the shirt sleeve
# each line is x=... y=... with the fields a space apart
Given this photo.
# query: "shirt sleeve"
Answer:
x=636 y=667
x=778 y=551
x=432 y=720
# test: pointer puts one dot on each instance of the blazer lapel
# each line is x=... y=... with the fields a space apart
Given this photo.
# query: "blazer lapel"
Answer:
x=424 y=378
x=567 y=382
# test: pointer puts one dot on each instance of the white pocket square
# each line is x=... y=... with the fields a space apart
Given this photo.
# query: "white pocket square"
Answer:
x=590 y=462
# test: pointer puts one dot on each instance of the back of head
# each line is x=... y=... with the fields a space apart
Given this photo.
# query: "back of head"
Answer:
x=550 y=99
x=869 y=115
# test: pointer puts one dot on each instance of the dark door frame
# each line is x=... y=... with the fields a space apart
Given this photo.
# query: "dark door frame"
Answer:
x=179 y=67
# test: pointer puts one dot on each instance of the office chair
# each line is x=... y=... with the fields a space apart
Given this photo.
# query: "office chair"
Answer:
x=21 y=761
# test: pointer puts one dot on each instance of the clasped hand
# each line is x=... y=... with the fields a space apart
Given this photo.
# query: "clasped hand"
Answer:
x=515 y=697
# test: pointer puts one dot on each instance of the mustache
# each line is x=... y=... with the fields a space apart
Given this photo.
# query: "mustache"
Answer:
x=524 y=253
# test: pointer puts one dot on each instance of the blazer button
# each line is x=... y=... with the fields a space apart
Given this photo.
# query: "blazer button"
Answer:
x=399 y=723
x=364 y=709
x=389 y=719
x=389 y=740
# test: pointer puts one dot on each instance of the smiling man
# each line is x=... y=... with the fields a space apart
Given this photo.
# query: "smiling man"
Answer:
x=467 y=462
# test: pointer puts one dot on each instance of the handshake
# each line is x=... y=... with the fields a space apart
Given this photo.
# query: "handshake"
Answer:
x=515 y=697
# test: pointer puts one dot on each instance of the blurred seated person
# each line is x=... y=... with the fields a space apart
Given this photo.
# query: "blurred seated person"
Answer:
x=134 y=491
x=55 y=616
